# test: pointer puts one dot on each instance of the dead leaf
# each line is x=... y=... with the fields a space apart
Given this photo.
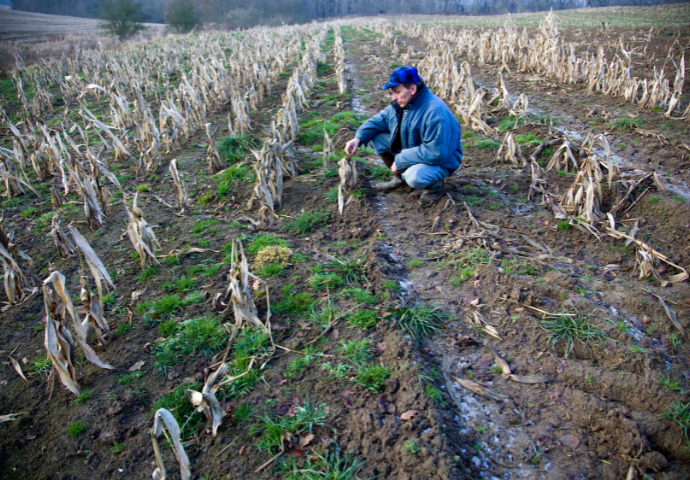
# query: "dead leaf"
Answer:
x=9 y=417
x=335 y=334
x=137 y=294
x=283 y=408
x=561 y=367
x=383 y=404
x=531 y=379
x=408 y=414
x=242 y=449
x=380 y=348
x=137 y=366
x=18 y=368
x=346 y=393
x=466 y=341
x=256 y=285
x=485 y=361
x=347 y=403
x=306 y=440
x=5 y=308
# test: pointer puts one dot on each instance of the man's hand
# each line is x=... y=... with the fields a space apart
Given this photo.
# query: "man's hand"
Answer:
x=352 y=146
x=394 y=168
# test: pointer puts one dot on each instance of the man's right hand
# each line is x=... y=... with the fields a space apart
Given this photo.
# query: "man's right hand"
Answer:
x=352 y=146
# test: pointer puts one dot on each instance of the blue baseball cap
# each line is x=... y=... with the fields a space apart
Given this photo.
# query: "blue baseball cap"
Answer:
x=402 y=75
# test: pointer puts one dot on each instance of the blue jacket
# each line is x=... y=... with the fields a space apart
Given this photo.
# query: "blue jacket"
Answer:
x=429 y=133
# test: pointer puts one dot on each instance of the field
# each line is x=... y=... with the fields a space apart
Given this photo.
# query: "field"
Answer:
x=173 y=242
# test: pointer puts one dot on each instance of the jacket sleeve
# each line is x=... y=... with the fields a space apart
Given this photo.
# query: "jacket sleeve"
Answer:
x=439 y=142
x=375 y=125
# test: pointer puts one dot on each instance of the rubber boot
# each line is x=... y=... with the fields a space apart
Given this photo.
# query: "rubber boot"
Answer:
x=431 y=193
x=396 y=181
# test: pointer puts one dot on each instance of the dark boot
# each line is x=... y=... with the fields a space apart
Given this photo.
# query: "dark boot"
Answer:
x=431 y=193
x=397 y=181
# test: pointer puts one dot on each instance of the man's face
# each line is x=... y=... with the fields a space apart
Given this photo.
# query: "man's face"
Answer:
x=403 y=95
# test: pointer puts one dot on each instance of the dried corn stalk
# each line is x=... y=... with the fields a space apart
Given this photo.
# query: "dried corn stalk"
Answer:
x=239 y=291
x=163 y=418
x=648 y=259
x=206 y=402
x=563 y=157
x=59 y=342
x=347 y=169
x=182 y=198
x=16 y=279
x=141 y=234
x=510 y=150
x=212 y=157
x=62 y=241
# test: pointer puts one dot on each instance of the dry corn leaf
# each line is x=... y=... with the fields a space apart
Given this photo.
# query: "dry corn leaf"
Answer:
x=531 y=379
x=206 y=402
x=479 y=389
x=672 y=316
x=501 y=362
x=9 y=417
x=18 y=368
x=163 y=418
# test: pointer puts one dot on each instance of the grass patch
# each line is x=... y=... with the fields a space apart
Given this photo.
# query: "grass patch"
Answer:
x=378 y=173
x=360 y=295
x=197 y=336
x=234 y=175
x=529 y=139
x=273 y=429
x=84 y=396
x=420 y=320
x=42 y=366
x=180 y=285
x=319 y=282
x=679 y=413
x=148 y=273
x=365 y=319
x=356 y=351
x=346 y=269
x=308 y=222
x=259 y=242
x=294 y=304
x=570 y=329
x=202 y=226
x=373 y=377
x=329 y=466
x=236 y=148
x=474 y=257
x=76 y=429
x=626 y=124
x=486 y=144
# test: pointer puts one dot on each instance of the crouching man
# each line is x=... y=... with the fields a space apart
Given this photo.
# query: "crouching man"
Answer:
x=416 y=136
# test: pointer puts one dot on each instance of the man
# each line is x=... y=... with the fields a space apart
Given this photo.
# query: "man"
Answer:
x=416 y=136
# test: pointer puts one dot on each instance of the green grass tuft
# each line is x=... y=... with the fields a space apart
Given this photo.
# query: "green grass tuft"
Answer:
x=308 y=222
x=420 y=320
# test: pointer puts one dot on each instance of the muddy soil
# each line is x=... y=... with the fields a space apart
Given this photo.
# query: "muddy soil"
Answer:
x=600 y=416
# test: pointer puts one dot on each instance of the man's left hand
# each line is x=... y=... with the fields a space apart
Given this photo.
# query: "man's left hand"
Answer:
x=394 y=168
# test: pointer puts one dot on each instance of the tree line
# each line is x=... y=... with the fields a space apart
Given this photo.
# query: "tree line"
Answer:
x=243 y=13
